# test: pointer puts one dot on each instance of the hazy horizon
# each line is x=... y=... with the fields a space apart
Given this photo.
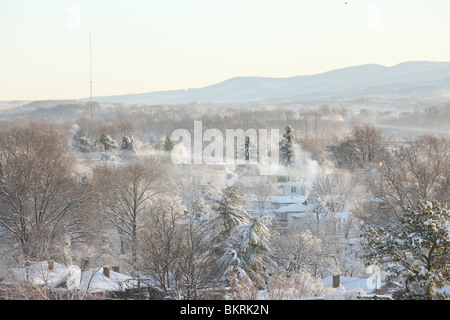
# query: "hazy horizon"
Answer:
x=142 y=46
x=213 y=84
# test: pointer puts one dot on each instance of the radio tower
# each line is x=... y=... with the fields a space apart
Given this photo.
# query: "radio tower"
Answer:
x=90 y=65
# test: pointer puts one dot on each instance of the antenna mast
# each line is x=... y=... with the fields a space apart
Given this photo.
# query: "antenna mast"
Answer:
x=90 y=65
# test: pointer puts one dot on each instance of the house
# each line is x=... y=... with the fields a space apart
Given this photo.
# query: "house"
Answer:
x=60 y=281
x=371 y=288
x=289 y=207
x=294 y=214
x=292 y=188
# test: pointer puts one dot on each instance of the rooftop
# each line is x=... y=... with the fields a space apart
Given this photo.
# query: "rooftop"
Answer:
x=92 y=280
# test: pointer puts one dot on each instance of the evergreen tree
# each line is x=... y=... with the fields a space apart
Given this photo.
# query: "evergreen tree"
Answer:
x=249 y=151
x=106 y=142
x=127 y=143
x=253 y=241
x=245 y=239
x=230 y=209
x=287 y=156
x=168 y=144
x=232 y=216
x=415 y=253
x=83 y=142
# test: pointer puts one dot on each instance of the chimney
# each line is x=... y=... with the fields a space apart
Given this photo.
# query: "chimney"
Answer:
x=336 y=281
x=85 y=265
x=115 y=269
x=106 y=271
x=51 y=265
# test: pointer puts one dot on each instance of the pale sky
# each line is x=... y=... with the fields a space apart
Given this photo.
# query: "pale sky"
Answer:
x=143 y=45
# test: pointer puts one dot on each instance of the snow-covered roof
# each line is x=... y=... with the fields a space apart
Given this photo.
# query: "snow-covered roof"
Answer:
x=290 y=184
x=37 y=274
x=92 y=280
x=288 y=199
x=297 y=207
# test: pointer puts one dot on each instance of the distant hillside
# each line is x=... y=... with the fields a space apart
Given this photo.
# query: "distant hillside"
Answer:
x=417 y=79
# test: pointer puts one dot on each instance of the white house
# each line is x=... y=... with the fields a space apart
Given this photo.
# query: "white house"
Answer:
x=293 y=215
x=293 y=188
x=287 y=209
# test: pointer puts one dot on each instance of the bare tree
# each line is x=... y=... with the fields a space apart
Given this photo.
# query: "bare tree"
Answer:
x=39 y=191
x=161 y=247
x=126 y=194
x=200 y=267
x=346 y=153
x=418 y=170
x=369 y=140
x=339 y=189
x=295 y=251
x=177 y=251
x=364 y=145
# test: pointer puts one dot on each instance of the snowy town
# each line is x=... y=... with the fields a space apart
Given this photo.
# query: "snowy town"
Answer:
x=195 y=151
x=136 y=226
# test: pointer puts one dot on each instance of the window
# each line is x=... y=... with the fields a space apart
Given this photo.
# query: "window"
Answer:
x=293 y=189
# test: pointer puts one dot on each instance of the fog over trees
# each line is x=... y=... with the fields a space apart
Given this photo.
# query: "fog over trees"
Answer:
x=355 y=180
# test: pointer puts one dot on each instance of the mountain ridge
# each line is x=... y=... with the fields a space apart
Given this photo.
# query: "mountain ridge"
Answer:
x=411 y=79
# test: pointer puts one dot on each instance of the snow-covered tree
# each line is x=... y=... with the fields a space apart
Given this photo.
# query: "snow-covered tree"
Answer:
x=245 y=239
x=287 y=155
x=297 y=250
x=40 y=200
x=197 y=185
x=127 y=143
x=415 y=253
x=245 y=253
x=418 y=169
x=106 y=142
x=82 y=142
x=252 y=242
x=230 y=209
